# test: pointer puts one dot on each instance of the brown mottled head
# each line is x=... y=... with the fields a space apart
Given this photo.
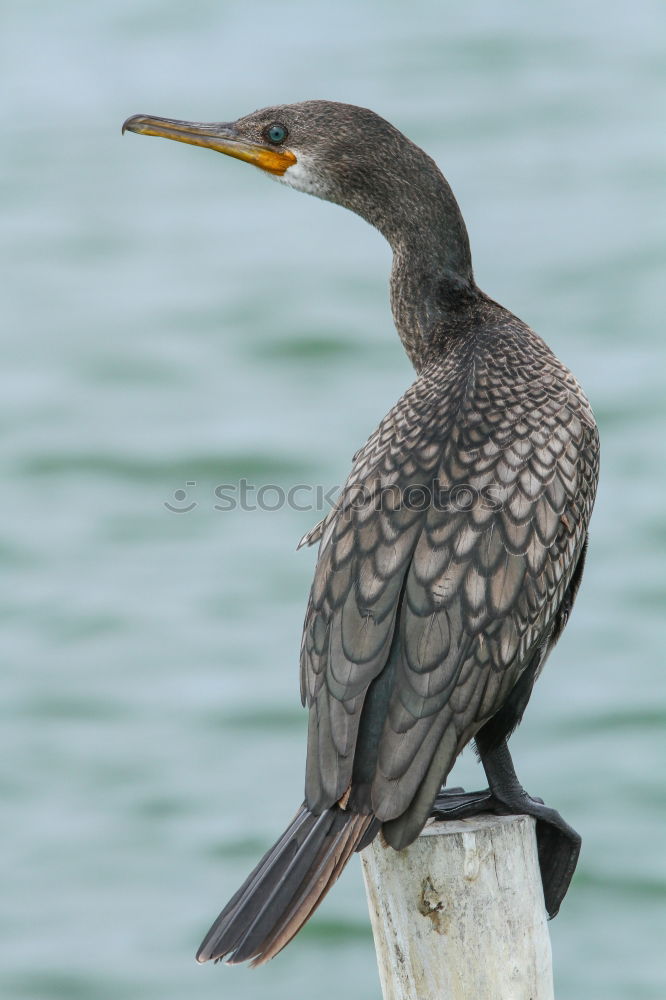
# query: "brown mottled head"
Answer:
x=339 y=152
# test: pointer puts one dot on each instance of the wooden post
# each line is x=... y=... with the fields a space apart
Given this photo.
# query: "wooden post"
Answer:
x=459 y=914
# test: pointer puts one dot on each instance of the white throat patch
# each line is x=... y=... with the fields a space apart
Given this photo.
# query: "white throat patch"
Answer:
x=303 y=177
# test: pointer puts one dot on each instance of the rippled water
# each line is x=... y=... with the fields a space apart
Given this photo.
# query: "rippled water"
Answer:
x=171 y=319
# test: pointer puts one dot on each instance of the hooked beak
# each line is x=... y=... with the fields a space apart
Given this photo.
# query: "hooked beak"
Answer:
x=222 y=137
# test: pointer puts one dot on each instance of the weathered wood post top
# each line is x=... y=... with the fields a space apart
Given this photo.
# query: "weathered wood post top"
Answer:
x=459 y=914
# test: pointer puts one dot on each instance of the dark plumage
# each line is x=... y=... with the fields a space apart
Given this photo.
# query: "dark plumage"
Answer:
x=450 y=564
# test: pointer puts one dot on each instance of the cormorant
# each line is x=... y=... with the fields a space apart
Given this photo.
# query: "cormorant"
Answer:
x=450 y=564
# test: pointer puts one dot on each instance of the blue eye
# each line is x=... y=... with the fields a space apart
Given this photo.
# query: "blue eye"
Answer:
x=276 y=133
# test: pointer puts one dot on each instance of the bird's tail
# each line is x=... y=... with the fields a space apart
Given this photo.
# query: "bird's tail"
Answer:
x=287 y=885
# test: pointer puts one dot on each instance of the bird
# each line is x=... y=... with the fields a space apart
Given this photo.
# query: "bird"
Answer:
x=449 y=565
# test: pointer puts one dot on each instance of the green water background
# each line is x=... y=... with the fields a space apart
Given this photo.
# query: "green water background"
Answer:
x=171 y=318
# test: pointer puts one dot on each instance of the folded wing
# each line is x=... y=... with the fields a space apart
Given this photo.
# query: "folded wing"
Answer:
x=440 y=571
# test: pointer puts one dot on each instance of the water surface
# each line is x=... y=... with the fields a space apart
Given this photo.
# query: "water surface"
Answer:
x=170 y=319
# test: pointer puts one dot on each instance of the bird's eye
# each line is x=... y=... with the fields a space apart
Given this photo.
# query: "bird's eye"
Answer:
x=276 y=133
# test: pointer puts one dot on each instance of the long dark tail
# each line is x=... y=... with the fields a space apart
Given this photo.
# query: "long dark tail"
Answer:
x=287 y=885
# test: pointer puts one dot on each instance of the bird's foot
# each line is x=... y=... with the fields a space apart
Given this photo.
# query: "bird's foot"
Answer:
x=456 y=803
x=558 y=844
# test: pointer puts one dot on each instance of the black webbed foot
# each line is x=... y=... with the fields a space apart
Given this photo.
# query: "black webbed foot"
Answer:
x=456 y=803
x=558 y=845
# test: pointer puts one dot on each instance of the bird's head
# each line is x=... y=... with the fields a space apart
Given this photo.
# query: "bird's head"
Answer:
x=339 y=152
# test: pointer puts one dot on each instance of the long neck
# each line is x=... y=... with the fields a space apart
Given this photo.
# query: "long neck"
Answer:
x=431 y=278
x=428 y=301
x=432 y=283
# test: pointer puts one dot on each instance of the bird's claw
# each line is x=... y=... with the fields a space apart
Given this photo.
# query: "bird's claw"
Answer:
x=558 y=844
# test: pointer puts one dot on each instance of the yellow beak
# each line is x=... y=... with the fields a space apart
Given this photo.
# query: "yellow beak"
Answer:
x=221 y=137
